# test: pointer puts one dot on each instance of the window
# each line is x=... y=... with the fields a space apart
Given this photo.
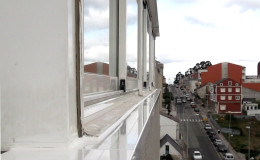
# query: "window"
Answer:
x=131 y=38
x=247 y=107
x=96 y=37
x=222 y=97
x=237 y=89
x=229 y=89
x=236 y=84
x=237 y=97
x=221 y=84
x=230 y=83
x=229 y=98
x=222 y=107
x=222 y=89
x=167 y=149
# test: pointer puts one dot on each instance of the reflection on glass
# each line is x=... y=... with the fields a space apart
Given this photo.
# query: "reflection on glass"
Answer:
x=96 y=36
x=131 y=40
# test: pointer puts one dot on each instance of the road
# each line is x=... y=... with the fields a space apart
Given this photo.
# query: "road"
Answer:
x=197 y=137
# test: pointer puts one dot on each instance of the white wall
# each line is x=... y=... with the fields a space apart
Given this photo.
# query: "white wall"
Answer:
x=168 y=126
x=37 y=66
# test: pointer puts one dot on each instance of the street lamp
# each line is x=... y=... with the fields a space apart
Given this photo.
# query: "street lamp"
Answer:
x=188 y=133
x=248 y=127
x=229 y=127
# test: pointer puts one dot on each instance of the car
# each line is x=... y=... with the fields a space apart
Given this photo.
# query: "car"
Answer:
x=228 y=156
x=178 y=101
x=222 y=148
x=210 y=132
x=196 y=109
x=193 y=105
x=217 y=142
x=213 y=137
x=207 y=127
x=197 y=155
x=188 y=98
x=184 y=100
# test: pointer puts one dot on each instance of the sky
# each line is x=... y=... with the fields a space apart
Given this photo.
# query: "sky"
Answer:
x=218 y=31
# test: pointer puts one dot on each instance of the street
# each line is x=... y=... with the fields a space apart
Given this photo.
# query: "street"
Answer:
x=197 y=137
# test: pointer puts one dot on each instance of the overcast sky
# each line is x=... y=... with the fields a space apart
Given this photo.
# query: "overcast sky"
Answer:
x=192 y=31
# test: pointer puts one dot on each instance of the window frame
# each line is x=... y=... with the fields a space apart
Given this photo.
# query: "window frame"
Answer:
x=222 y=98
x=237 y=97
x=222 y=90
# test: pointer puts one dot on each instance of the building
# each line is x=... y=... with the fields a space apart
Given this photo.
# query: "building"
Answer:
x=169 y=135
x=49 y=105
x=97 y=68
x=226 y=96
x=258 y=70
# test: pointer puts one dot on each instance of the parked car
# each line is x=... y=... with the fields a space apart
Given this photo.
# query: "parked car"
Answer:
x=184 y=100
x=213 y=138
x=207 y=127
x=196 y=109
x=210 y=132
x=178 y=101
x=197 y=155
x=222 y=148
x=228 y=156
x=188 y=98
x=217 y=142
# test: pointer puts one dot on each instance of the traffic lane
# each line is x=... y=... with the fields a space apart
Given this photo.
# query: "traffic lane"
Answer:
x=199 y=140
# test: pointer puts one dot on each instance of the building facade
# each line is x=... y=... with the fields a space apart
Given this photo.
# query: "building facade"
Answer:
x=226 y=96
x=44 y=89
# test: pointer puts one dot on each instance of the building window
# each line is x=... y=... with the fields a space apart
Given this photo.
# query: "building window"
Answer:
x=222 y=97
x=247 y=108
x=236 y=84
x=237 y=97
x=229 y=89
x=237 y=89
x=222 y=89
x=230 y=98
x=222 y=107
x=167 y=149
x=221 y=84
x=230 y=83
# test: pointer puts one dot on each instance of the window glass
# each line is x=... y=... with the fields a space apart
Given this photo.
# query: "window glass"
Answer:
x=237 y=97
x=222 y=107
x=131 y=38
x=230 y=83
x=222 y=97
x=96 y=36
x=222 y=89
x=237 y=89
x=229 y=97
x=229 y=89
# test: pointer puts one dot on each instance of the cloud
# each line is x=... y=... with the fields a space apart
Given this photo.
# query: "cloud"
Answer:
x=245 y=4
x=193 y=20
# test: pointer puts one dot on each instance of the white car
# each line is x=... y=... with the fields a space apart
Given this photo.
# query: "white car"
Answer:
x=228 y=156
x=197 y=155
x=207 y=127
x=217 y=142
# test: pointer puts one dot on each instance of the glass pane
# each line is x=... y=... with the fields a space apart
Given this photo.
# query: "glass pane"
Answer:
x=131 y=40
x=96 y=36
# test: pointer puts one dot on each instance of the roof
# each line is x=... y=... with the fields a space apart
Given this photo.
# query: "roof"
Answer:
x=167 y=138
x=249 y=99
x=253 y=86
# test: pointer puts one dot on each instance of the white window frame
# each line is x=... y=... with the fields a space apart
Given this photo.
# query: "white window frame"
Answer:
x=222 y=98
x=221 y=84
x=229 y=98
x=222 y=90
x=237 y=90
x=237 y=97
x=229 y=90
x=230 y=83
x=222 y=107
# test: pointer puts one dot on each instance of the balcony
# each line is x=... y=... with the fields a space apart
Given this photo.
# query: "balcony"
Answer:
x=127 y=127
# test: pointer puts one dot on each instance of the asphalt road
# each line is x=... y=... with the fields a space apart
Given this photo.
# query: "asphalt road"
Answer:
x=197 y=137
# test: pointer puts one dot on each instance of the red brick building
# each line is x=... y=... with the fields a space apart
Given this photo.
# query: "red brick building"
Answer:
x=97 y=67
x=226 y=95
x=221 y=71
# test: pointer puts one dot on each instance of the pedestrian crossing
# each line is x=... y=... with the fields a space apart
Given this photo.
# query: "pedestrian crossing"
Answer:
x=191 y=120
